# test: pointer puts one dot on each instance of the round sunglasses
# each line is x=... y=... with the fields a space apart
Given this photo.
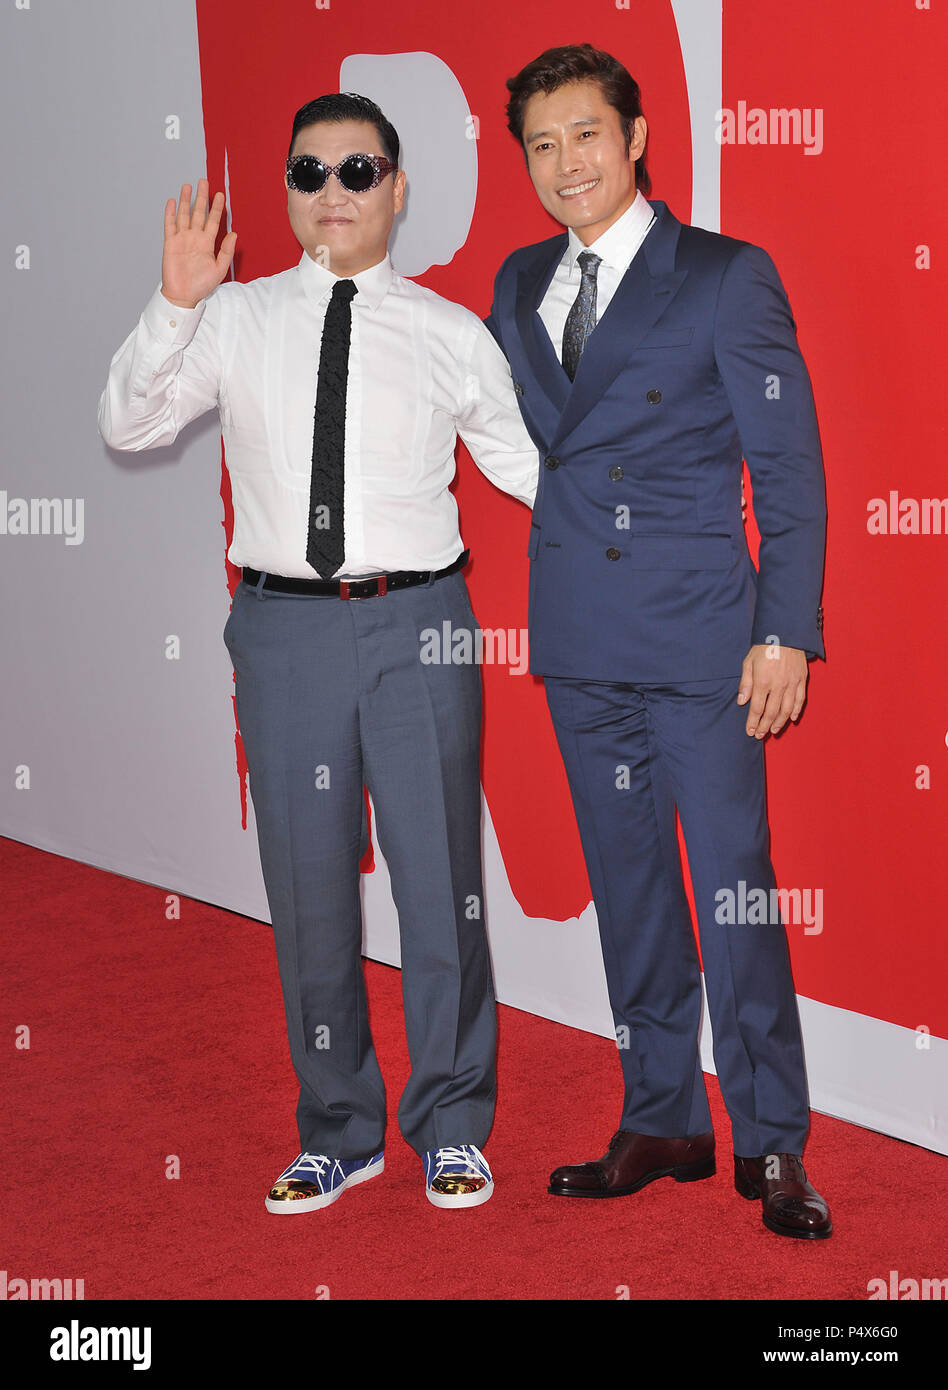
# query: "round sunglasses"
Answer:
x=358 y=173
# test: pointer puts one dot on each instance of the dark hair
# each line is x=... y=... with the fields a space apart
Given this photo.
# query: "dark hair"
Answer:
x=576 y=62
x=348 y=106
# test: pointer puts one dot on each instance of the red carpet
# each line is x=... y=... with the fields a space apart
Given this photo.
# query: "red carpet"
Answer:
x=153 y=1039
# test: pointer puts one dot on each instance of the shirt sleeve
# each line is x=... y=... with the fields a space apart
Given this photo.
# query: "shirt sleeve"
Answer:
x=490 y=423
x=165 y=374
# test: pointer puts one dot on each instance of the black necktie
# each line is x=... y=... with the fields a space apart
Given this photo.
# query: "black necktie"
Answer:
x=581 y=319
x=326 y=541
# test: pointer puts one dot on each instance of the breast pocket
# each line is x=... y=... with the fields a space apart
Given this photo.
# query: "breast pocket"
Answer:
x=667 y=338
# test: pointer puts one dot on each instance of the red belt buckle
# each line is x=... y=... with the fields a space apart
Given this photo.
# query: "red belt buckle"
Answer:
x=381 y=587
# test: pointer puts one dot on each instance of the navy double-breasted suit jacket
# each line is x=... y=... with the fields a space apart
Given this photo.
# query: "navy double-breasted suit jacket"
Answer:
x=639 y=565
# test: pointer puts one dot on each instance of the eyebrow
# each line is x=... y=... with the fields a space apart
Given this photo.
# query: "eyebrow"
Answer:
x=325 y=160
x=584 y=120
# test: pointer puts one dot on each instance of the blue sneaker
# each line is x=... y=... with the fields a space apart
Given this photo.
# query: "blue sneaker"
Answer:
x=457 y=1177
x=315 y=1180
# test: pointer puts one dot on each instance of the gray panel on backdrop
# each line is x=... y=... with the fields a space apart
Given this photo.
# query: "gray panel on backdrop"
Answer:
x=130 y=755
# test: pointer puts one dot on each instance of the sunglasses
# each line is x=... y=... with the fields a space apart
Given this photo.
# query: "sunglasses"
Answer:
x=358 y=173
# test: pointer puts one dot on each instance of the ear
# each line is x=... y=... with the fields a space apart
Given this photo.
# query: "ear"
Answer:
x=639 y=136
x=400 y=186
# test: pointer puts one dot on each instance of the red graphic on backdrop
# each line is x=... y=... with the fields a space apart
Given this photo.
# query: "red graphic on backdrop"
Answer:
x=248 y=108
x=843 y=227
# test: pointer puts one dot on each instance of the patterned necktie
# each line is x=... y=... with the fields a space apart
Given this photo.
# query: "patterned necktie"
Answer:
x=326 y=541
x=581 y=319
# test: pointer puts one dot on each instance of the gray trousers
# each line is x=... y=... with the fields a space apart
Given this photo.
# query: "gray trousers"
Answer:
x=332 y=694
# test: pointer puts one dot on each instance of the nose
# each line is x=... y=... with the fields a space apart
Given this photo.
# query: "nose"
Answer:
x=568 y=161
x=332 y=192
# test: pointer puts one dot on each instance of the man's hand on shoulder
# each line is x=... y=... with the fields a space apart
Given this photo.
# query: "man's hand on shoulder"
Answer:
x=773 y=679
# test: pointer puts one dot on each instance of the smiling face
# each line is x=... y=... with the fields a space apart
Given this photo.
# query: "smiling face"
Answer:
x=577 y=159
x=354 y=226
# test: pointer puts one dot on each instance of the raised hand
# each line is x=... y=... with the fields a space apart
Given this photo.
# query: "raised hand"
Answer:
x=189 y=268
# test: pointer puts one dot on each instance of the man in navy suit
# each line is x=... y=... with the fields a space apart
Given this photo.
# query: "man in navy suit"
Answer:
x=649 y=358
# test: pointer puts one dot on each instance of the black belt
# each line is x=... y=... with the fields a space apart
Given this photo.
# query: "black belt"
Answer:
x=370 y=587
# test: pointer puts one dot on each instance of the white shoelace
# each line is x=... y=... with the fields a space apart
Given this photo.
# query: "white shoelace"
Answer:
x=310 y=1163
x=461 y=1155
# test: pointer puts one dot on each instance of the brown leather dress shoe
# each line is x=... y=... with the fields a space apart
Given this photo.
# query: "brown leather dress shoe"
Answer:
x=631 y=1161
x=790 y=1205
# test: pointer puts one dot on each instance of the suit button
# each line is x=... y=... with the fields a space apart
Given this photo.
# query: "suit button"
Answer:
x=518 y=388
x=654 y=396
x=612 y=553
x=616 y=473
x=551 y=461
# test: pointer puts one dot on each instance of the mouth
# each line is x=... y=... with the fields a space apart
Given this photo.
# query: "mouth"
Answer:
x=576 y=190
x=334 y=221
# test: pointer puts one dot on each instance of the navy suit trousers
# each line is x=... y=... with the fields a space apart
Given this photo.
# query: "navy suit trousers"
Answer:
x=633 y=752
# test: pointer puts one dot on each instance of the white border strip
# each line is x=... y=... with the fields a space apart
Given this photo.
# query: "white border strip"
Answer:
x=701 y=36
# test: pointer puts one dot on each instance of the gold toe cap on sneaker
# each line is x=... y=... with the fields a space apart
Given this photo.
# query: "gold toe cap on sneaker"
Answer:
x=458 y=1184
x=292 y=1191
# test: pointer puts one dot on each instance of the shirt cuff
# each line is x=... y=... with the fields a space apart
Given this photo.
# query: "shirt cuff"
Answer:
x=169 y=323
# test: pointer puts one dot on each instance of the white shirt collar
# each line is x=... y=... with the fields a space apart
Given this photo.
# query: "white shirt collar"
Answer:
x=372 y=284
x=617 y=243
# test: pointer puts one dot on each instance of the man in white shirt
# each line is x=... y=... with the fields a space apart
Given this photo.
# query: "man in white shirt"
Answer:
x=342 y=387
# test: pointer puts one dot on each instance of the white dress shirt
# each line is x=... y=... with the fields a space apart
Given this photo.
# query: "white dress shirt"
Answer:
x=422 y=370
x=617 y=245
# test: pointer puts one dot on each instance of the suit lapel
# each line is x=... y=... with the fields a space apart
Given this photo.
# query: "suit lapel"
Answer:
x=644 y=293
x=547 y=369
